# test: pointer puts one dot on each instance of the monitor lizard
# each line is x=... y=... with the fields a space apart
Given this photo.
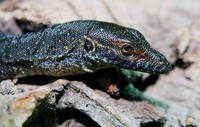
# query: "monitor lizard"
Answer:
x=78 y=47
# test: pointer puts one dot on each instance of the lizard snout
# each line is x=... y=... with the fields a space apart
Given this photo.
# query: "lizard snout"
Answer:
x=158 y=63
x=154 y=63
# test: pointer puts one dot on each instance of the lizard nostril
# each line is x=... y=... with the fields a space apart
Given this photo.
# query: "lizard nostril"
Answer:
x=165 y=66
x=161 y=63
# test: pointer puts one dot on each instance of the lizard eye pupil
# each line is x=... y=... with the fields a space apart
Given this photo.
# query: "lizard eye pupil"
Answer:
x=88 y=46
x=127 y=50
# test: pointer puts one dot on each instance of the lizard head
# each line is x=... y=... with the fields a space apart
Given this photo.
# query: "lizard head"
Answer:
x=111 y=44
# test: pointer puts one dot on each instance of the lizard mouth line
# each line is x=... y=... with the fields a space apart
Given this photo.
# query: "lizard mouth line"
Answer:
x=152 y=66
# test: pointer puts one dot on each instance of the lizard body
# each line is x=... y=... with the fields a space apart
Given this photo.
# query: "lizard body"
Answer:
x=78 y=47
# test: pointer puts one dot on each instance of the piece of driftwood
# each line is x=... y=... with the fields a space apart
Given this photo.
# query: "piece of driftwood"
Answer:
x=105 y=111
x=27 y=108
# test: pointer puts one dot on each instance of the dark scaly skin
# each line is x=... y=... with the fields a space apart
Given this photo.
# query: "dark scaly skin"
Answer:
x=78 y=47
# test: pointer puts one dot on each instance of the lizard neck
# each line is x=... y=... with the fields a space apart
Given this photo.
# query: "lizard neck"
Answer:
x=55 y=51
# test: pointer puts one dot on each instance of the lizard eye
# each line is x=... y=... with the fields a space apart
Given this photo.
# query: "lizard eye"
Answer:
x=88 y=46
x=127 y=50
